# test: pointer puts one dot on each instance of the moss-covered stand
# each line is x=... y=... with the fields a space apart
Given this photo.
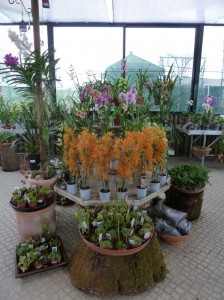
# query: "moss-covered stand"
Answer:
x=101 y=275
x=186 y=201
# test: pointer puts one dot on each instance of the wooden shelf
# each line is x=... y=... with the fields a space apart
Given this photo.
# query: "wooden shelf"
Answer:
x=95 y=200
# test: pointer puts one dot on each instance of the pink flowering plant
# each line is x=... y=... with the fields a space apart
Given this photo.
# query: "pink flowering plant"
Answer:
x=208 y=103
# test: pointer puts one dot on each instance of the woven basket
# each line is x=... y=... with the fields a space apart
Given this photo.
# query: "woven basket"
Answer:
x=201 y=151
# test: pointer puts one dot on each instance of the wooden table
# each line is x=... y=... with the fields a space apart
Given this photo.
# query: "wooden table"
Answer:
x=95 y=200
x=198 y=134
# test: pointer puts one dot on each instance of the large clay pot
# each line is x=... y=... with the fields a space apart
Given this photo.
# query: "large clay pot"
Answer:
x=186 y=201
x=46 y=183
x=30 y=224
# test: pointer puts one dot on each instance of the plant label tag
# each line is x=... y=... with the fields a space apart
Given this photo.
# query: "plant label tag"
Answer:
x=144 y=212
x=99 y=224
x=142 y=220
x=100 y=237
x=108 y=236
x=27 y=199
x=31 y=246
x=131 y=232
x=32 y=161
x=147 y=235
x=132 y=222
x=43 y=240
x=84 y=225
x=132 y=242
x=54 y=249
x=128 y=211
x=139 y=214
x=94 y=223
x=23 y=245
x=135 y=208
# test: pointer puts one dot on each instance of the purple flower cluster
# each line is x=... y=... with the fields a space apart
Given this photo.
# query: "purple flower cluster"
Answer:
x=11 y=61
x=209 y=100
x=129 y=97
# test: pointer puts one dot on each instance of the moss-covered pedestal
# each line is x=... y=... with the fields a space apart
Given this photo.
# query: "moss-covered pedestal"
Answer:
x=186 y=201
x=101 y=274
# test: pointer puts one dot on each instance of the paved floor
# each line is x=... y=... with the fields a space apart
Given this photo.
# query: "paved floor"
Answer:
x=195 y=268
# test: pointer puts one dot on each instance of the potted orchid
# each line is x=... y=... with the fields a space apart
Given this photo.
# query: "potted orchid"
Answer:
x=102 y=158
x=208 y=103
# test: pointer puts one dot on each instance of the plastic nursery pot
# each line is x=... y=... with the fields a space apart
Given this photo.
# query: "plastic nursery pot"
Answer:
x=71 y=187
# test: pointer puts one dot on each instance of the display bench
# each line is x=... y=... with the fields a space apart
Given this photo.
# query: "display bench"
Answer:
x=95 y=199
x=196 y=134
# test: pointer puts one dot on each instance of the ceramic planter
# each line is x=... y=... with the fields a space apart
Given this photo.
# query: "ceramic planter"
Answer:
x=71 y=187
x=162 y=179
x=154 y=186
x=141 y=192
x=104 y=196
x=122 y=194
x=85 y=194
x=189 y=201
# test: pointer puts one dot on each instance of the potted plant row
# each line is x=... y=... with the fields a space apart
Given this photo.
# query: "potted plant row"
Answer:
x=42 y=252
x=31 y=197
x=114 y=227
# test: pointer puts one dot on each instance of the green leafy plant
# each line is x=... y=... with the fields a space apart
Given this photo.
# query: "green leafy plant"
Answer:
x=135 y=240
x=106 y=244
x=189 y=176
x=6 y=136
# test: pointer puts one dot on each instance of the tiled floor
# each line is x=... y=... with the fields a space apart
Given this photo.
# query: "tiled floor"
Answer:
x=195 y=268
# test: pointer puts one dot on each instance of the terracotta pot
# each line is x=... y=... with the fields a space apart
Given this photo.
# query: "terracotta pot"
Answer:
x=21 y=205
x=30 y=224
x=173 y=240
x=46 y=183
x=32 y=204
x=49 y=196
x=114 y=252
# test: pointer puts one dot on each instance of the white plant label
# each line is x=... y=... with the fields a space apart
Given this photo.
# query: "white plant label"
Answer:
x=100 y=237
x=147 y=235
x=132 y=222
x=132 y=242
x=54 y=249
x=94 y=223
x=108 y=236
x=144 y=212
x=131 y=232
x=142 y=220
x=139 y=214
x=135 y=208
x=84 y=225
x=99 y=224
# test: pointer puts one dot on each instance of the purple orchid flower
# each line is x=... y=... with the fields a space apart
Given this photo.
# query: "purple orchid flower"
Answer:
x=11 y=61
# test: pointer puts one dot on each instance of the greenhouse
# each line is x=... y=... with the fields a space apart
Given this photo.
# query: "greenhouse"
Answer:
x=111 y=149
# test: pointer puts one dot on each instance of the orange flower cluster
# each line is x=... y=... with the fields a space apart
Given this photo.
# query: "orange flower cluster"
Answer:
x=85 y=147
x=138 y=150
x=103 y=155
x=126 y=152
x=70 y=153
